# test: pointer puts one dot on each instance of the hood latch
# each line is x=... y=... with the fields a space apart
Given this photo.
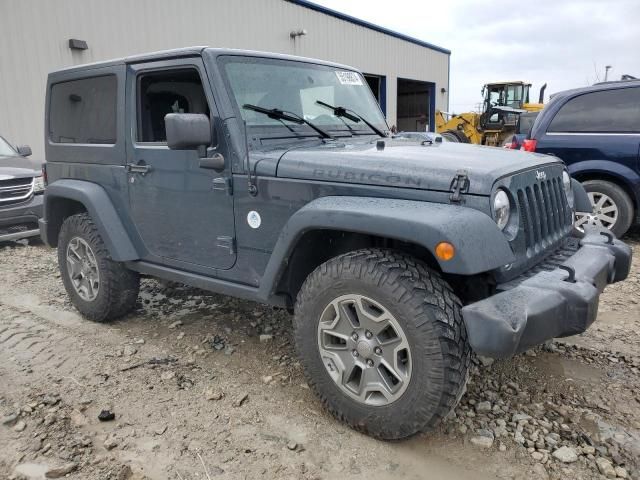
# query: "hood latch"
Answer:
x=459 y=185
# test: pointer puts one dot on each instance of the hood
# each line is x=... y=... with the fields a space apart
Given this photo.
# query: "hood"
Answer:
x=17 y=166
x=408 y=164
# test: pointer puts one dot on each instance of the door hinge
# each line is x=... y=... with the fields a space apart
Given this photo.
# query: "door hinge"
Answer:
x=227 y=242
x=224 y=184
x=459 y=185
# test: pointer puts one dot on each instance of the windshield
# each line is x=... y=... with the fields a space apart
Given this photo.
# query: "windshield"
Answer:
x=6 y=149
x=297 y=87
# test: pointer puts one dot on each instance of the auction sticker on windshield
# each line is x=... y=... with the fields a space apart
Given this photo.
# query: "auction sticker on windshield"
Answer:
x=348 y=78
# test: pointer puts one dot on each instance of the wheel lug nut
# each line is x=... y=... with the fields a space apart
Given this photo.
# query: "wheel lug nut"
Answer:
x=368 y=334
x=354 y=336
x=378 y=351
x=370 y=362
x=355 y=353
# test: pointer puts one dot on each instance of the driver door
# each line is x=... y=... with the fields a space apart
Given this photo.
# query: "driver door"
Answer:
x=182 y=215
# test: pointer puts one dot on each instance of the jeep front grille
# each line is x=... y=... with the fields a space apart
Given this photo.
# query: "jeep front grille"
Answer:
x=545 y=214
x=15 y=190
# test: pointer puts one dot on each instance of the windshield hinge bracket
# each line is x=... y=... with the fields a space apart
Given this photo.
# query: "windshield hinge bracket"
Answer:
x=228 y=243
x=459 y=185
x=224 y=184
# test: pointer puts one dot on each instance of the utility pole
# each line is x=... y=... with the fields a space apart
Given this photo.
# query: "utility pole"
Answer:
x=606 y=72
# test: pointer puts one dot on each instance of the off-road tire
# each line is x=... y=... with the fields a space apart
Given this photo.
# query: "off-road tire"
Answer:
x=429 y=313
x=455 y=136
x=119 y=286
x=626 y=210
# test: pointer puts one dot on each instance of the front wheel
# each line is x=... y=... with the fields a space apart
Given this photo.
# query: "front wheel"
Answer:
x=612 y=207
x=99 y=288
x=382 y=342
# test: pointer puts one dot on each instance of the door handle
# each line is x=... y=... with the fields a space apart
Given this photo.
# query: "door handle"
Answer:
x=141 y=167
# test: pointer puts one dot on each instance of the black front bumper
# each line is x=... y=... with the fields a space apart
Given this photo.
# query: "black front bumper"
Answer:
x=548 y=303
x=20 y=220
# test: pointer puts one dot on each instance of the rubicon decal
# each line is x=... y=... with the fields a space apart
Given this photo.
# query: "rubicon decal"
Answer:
x=366 y=177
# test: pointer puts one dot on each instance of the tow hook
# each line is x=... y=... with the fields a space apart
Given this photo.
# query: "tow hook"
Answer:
x=609 y=236
x=572 y=273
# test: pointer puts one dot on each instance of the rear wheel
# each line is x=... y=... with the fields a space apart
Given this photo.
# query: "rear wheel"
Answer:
x=99 y=288
x=382 y=342
x=455 y=136
x=612 y=207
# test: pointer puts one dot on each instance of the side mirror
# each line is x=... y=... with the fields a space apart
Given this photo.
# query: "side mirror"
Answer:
x=187 y=131
x=24 y=150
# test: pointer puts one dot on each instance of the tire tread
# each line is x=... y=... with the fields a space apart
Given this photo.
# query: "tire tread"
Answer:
x=119 y=286
x=432 y=295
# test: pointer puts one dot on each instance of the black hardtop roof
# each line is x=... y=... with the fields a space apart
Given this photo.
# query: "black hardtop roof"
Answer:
x=190 y=52
x=596 y=88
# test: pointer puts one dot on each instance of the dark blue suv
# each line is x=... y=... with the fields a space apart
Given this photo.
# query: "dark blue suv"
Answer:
x=596 y=131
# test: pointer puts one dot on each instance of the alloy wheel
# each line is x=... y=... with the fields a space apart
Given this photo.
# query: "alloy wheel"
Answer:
x=364 y=349
x=82 y=269
x=604 y=213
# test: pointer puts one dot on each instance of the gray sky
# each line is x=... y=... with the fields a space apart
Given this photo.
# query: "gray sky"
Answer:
x=565 y=43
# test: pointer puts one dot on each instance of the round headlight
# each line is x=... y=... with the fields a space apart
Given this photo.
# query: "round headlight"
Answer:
x=566 y=184
x=501 y=209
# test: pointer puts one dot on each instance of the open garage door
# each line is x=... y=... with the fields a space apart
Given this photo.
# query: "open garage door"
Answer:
x=378 y=86
x=415 y=106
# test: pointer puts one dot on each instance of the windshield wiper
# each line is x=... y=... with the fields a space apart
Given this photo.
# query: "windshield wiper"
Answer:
x=351 y=115
x=284 y=115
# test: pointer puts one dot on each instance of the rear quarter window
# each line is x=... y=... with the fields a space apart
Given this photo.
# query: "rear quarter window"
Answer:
x=84 y=111
x=607 y=111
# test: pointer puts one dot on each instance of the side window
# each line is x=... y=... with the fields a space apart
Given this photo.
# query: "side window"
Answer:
x=608 y=111
x=160 y=93
x=84 y=111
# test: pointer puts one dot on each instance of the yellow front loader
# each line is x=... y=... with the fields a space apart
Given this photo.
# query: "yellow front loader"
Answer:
x=503 y=103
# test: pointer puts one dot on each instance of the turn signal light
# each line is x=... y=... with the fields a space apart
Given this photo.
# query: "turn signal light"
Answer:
x=445 y=251
x=529 y=145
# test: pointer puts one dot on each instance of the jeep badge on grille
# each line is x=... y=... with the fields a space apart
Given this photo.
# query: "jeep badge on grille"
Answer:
x=541 y=175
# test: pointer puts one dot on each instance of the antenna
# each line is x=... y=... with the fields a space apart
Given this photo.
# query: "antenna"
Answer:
x=252 y=187
x=595 y=71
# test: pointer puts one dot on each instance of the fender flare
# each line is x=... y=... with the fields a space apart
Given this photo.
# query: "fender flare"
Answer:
x=580 y=197
x=625 y=175
x=480 y=245
x=99 y=206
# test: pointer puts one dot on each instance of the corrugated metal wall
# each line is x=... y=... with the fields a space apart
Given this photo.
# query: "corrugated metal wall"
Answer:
x=34 y=41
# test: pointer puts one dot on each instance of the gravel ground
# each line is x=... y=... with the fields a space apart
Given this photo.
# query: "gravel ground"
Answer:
x=203 y=386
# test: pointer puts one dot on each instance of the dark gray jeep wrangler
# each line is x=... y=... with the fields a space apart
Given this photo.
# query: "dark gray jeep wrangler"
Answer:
x=274 y=179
